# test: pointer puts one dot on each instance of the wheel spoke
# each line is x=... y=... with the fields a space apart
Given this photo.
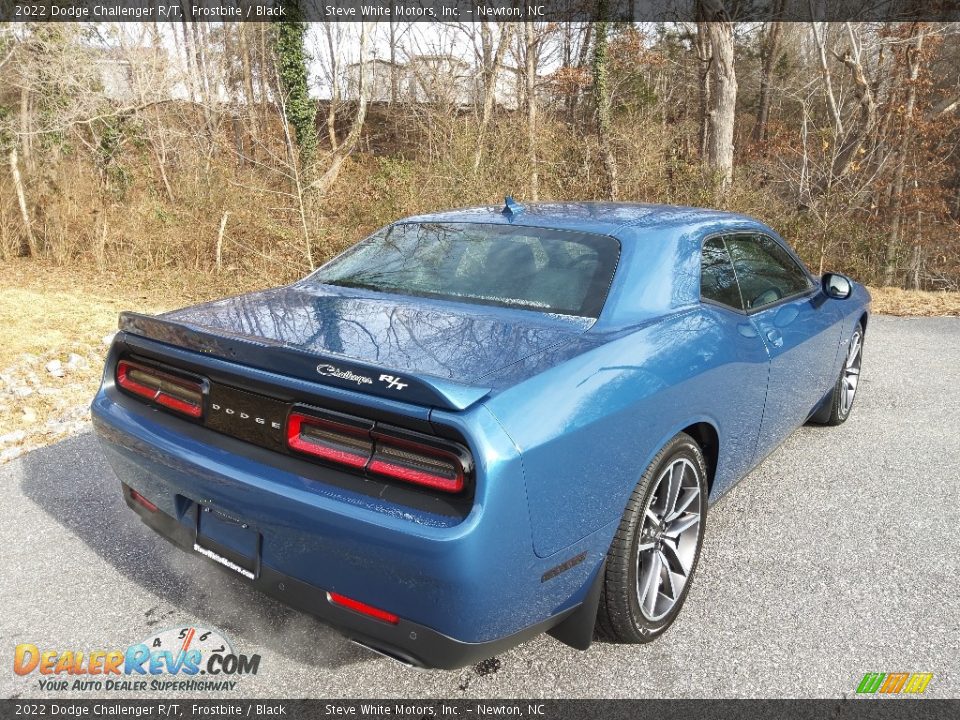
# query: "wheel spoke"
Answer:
x=649 y=584
x=645 y=546
x=681 y=525
x=689 y=496
x=669 y=574
x=665 y=490
x=854 y=351
x=671 y=552
x=652 y=517
x=676 y=482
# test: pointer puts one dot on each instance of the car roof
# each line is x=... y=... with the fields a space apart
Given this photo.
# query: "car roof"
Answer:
x=607 y=218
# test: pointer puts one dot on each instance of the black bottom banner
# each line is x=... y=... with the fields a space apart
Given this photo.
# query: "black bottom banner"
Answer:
x=891 y=708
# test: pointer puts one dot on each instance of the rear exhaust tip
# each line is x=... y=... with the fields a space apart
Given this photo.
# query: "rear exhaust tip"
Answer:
x=387 y=654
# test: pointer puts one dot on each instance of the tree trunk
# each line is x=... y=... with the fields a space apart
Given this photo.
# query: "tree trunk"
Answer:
x=705 y=61
x=601 y=97
x=188 y=54
x=771 y=54
x=160 y=151
x=30 y=247
x=394 y=79
x=25 y=133
x=530 y=77
x=206 y=83
x=723 y=107
x=491 y=73
x=247 y=70
x=906 y=140
x=821 y=42
x=334 y=88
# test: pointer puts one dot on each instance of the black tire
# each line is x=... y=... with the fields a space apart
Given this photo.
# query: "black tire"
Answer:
x=620 y=617
x=835 y=411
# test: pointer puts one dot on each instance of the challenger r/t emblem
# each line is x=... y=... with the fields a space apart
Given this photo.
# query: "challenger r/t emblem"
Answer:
x=393 y=382
x=349 y=375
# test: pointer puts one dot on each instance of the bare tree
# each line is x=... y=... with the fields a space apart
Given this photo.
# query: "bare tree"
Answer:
x=705 y=86
x=335 y=159
x=332 y=33
x=723 y=105
x=490 y=74
x=601 y=96
x=531 y=49
x=849 y=137
x=771 y=50
x=906 y=140
x=30 y=247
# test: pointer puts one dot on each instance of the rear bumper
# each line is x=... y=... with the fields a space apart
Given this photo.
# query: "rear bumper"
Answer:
x=463 y=588
x=407 y=641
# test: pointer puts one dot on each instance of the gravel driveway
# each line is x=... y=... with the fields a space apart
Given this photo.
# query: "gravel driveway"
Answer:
x=839 y=555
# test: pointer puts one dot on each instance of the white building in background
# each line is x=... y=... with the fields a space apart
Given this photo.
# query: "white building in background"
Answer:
x=442 y=80
x=131 y=74
x=429 y=79
x=378 y=79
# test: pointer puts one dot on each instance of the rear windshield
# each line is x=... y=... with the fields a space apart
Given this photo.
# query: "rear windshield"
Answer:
x=554 y=271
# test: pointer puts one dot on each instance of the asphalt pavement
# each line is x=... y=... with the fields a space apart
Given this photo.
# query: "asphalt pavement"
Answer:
x=839 y=555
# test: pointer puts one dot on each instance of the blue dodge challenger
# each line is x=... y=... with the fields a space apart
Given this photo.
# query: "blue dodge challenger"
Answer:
x=479 y=425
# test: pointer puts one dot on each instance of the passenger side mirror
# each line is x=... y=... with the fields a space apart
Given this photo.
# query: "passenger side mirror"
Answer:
x=836 y=286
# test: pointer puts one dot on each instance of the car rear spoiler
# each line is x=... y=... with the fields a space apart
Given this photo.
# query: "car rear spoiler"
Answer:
x=321 y=369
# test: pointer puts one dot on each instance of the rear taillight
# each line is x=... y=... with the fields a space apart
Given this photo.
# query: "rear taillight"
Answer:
x=331 y=440
x=417 y=463
x=175 y=393
x=391 y=453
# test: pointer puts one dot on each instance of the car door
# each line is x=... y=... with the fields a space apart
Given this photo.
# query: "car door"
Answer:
x=801 y=332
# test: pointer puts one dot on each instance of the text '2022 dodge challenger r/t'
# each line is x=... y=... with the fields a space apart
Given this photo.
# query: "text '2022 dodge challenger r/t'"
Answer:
x=479 y=425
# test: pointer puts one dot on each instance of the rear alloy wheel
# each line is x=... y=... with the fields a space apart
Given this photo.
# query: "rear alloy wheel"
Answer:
x=845 y=391
x=654 y=554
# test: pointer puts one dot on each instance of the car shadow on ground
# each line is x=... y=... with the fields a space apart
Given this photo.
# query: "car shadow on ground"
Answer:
x=74 y=485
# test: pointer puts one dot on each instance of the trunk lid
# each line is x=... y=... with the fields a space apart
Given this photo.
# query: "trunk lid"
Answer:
x=415 y=350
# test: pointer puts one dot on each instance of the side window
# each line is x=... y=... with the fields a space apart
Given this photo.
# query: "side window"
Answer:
x=765 y=271
x=718 y=282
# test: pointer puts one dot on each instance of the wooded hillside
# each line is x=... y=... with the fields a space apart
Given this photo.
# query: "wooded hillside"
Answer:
x=261 y=149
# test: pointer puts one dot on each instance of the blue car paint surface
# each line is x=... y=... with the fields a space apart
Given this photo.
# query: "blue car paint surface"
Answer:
x=561 y=415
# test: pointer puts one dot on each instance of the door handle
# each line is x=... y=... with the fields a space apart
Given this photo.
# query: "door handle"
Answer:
x=776 y=337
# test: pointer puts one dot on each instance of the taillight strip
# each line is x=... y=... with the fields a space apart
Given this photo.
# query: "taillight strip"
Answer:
x=417 y=463
x=158 y=394
x=326 y=445
x=418 y=477
x=392 y=453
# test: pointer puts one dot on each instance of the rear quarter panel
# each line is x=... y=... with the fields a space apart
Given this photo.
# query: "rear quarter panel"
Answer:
x=588 y=427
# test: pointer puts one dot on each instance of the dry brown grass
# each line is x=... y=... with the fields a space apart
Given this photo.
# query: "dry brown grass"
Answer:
x=48 y=313
x=919 y=303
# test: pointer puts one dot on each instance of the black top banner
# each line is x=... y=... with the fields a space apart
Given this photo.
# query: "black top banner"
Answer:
x=465 y=709
x=477 y=10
